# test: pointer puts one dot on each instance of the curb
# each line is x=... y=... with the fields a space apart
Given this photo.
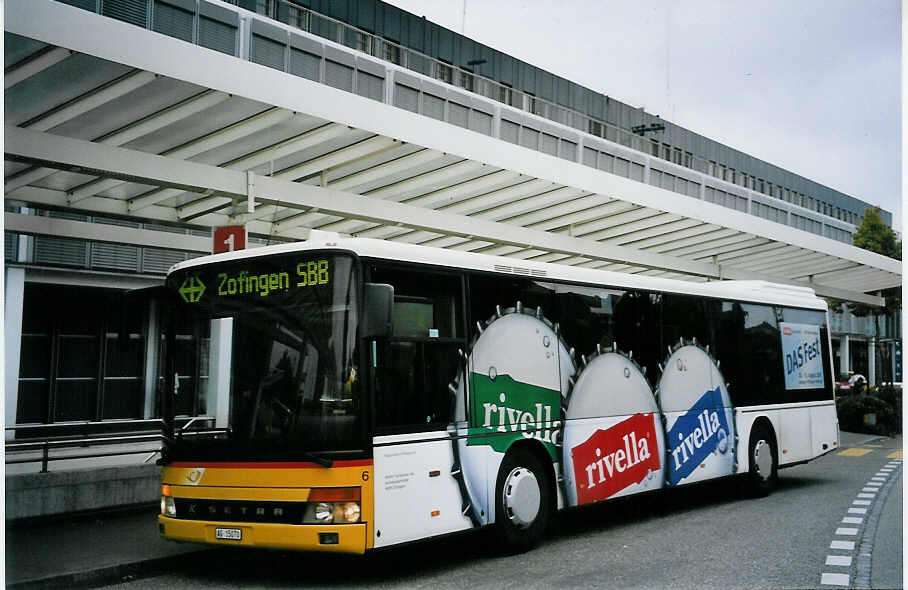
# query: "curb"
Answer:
x=109 y=574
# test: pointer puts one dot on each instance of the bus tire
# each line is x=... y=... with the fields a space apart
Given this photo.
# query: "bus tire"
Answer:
x=523 y=501
x=763 y=460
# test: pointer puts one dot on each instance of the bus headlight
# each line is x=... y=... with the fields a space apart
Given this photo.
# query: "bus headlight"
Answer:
x=324 y=512
x=333 y=506
x=168 y=508
x=351 y=511
x=332 y=513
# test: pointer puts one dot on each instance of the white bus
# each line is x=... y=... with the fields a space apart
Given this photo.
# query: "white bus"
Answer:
x=370 y=393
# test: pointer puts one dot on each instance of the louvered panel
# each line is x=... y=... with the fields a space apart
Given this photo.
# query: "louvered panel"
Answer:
x=56 y=251
x=218 y=36
x=91 y=5
x=266 y=52
x=172 y=21
x=114 y=257
x=159 y=261
x=10 y=246
x=338 y=75
x=130 y=11
x=370 y=86
x=304 y=64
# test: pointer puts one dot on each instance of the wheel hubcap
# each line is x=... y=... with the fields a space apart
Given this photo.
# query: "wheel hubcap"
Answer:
x=521 y=496
x=763 y=459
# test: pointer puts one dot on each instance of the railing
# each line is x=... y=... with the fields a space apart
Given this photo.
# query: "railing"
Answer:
x=87 y=436
x=361 y=40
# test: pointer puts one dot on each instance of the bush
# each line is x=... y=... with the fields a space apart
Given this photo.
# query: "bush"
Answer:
x=853 y=408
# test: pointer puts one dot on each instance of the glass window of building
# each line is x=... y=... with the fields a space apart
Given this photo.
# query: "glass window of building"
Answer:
x=82 y=356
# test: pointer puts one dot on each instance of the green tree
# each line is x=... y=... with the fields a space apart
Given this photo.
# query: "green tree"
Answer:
x=875 y=236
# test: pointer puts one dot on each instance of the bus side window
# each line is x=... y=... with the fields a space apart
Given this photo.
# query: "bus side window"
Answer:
x=638 y=329
x=749 y=349
x=420 y=358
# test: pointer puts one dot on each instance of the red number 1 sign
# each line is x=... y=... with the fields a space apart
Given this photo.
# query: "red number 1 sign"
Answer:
x=228 y=238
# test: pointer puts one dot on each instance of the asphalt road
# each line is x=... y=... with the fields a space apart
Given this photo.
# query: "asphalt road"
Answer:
x=706 y=536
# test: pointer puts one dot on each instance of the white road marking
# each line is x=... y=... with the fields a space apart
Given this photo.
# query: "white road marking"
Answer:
x=874 y=490
x=874 y=483
x=849 y=545
x=853 y=510
x=846 y=531
x=835 y=579
x=870 y=496
x=852 y=520
x=862 y=503
x=843 y=560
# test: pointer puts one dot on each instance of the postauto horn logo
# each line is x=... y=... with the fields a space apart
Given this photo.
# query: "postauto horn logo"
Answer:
x=192 y=289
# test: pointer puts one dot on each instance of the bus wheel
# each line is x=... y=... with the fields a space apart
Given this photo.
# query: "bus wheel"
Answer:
x=523 y=501
x=763 y=461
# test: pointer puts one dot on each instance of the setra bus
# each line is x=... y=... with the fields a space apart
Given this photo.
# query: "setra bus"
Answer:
x=368 y=393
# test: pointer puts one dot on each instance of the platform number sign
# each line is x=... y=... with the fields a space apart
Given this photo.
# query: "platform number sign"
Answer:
x=228 y=238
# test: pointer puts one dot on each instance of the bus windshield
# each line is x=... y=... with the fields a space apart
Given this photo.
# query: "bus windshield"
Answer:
x=279 y=366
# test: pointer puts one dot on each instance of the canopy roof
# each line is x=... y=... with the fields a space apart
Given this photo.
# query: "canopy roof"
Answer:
x=104 y=117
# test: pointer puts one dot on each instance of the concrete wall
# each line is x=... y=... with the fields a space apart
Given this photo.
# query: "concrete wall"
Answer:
x=31 y=495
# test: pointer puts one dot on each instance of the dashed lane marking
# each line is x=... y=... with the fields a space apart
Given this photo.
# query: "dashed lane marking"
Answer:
x=835 y=579
x=854 y=452
x=847 y=545
x=846 y=531
x=852 y=520
x=839 y=560
x=854 y=510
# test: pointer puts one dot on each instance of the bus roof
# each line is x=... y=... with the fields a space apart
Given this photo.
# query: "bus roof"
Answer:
x=743 y=290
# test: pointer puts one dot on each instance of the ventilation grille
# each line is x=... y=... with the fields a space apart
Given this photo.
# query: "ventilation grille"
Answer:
x=130 y=11
x=519 y=270
x=217 y=36
x=172 y=21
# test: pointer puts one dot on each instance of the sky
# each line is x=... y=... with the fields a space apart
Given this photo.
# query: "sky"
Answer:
x=813 y=86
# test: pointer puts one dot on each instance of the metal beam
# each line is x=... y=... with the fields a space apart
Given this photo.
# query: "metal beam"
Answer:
x=103 y=232
x=91 y=100
x=33 y=65
x=188 y=107
x=22 y=144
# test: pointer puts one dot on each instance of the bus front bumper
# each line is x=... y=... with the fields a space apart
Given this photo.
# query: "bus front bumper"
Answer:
x=345 y=538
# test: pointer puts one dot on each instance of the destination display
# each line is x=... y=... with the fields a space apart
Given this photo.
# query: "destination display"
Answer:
x=256 y=278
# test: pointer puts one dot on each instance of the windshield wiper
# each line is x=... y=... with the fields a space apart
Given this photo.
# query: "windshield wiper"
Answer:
x=320 y=459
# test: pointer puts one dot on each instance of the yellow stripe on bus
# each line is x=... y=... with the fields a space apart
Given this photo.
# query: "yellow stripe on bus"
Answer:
x=855 y=452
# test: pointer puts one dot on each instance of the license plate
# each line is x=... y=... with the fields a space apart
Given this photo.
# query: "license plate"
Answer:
x=229 y=534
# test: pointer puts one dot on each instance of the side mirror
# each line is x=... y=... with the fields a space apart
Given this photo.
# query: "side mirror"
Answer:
x=378 y=304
